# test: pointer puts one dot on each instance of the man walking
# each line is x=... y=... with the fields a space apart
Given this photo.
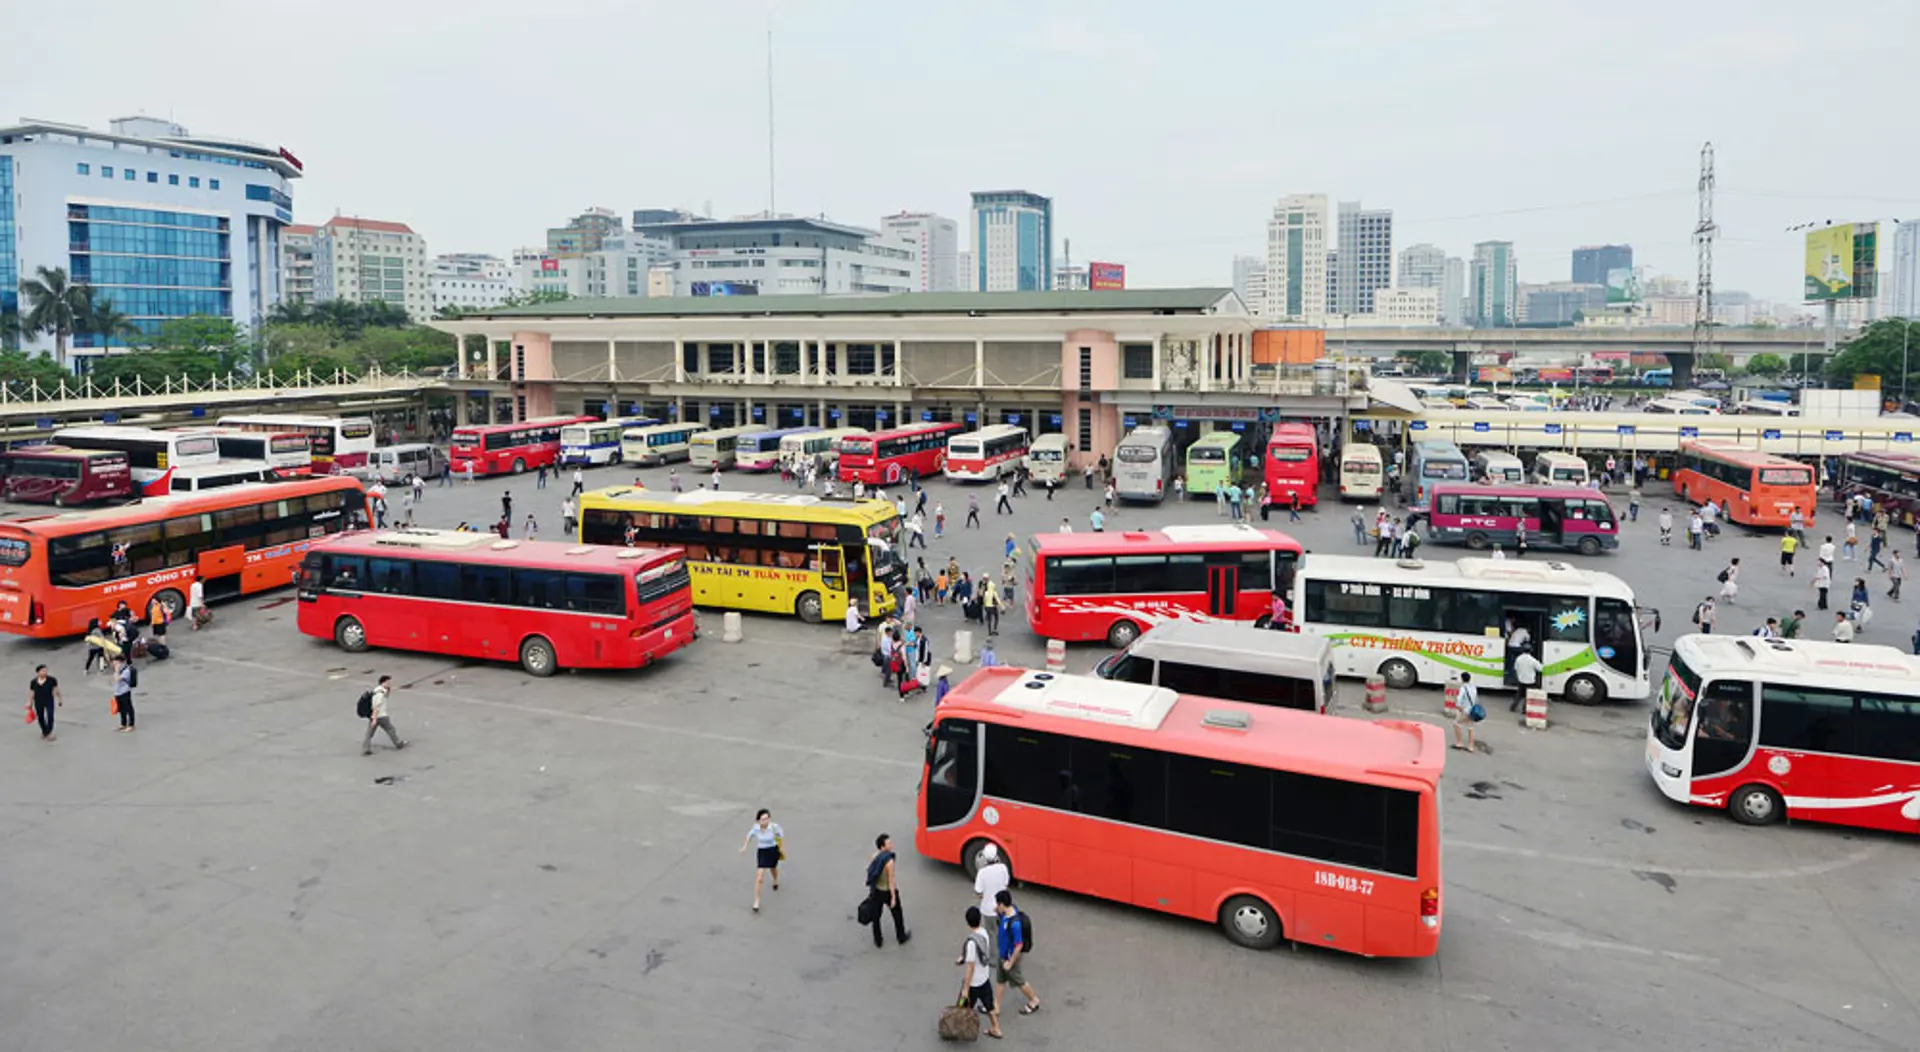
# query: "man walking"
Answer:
x=1016 y=936
x=44 y=693
x=419 y=488
x=1359 y=522
x=579 y=481
x=1822 y=580
x=1293 y=506
x=506 y=507
x=991 y=877
x=973 y=512
x=378 y=719
x=567 y=521
x=124 y=680
x=976 y=976
x=1703 y=616
x=1896 y=574
x=1696 y=529
x=1789 y=544
x=1003 y=507
x=990 y=604
x=1519 y=641
x=540 y=477
x=883 y=891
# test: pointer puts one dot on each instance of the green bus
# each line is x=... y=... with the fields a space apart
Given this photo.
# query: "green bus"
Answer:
x=1216 y=459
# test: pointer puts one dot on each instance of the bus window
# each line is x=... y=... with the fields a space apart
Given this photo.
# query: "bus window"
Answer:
x=954 y=773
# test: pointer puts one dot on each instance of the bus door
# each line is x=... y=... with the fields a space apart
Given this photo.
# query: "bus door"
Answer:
x=1553 y=519
x=857 y=577
x=1223 y=586
x=833 y=574
x=1723 y=728
x=1531 y=618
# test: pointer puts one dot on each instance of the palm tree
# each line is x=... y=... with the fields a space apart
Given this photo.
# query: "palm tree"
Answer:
x=105 y=322
x=291 y=312
x=9 y=329
x=54 y=305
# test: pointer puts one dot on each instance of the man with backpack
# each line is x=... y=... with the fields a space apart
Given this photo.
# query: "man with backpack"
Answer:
x=373 y=708
x=1016 y=942
x=883 y=892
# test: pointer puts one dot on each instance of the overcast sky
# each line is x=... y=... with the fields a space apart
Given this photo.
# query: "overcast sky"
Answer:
x=1163 y=132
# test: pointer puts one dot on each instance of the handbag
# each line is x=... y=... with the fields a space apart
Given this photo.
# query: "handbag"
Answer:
x=780 y=845
x=959 y=1022
x=869 y=910
x=1477 y=713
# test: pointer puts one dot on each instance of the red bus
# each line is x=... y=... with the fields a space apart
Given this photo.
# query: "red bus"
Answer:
x=1800 y=729
x=546 y=604
x=57 y=572
x=64 y=476
x=886 y=457
x=1113 y=586
x=1273 y=823
x=1892 y=479
x=1756 y=489
x=1555 y=516
x=496 y=449
x=1292 y=465
x=988 y=453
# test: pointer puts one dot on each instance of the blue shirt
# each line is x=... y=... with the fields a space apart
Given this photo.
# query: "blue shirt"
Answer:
x=1098 y=520
x=1010 y=935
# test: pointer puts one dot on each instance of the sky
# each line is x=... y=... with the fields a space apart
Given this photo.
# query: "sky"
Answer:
x=1163 y=133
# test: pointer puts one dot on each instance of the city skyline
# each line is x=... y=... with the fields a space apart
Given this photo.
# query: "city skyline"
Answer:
x=1593 y=179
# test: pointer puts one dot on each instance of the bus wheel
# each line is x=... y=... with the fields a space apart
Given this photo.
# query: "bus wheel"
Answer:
x=1589 y=546
x=350 y=634
x=1122 y=634
x=175 y=603
x=1756 y=805
x=1250 y=922
x=536 y=656
x=808 y=607
x=1586 y=690
x=1477 y=541
x=1400 y=674
x=970 y=857
x=519 y=467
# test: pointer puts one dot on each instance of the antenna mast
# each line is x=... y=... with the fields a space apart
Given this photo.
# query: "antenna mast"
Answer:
x=1703 y=234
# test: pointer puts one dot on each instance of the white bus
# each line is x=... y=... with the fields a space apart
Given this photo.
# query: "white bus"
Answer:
x=1417 y=621
x=289 y=453
x=1363 y=472
x=1553 y=468
x=1047 y=460
x=1498 y=466
x=593 y=445
x=992 y=451
x=340 y=443
x=762 y=450
x=1143 y=464
x=219 y=476
x=1679 y=406
x=715 y=449
x=657 y=443
x=800 y=448
x=153 y=455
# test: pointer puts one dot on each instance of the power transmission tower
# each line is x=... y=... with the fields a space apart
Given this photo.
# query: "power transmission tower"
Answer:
x=1703 y=235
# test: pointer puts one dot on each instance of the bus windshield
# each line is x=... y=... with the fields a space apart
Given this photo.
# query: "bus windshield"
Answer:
x=1786 y=476
x=1291 y=454
x=1673 y=716
x=1208 y=454
x=1138 y=455
x=1054 y=456
x=1443 y=469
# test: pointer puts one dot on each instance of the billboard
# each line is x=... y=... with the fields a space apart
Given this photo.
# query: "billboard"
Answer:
x=1106 y=275
x=724 y=288
x=1843 y=262
x=1622 y=286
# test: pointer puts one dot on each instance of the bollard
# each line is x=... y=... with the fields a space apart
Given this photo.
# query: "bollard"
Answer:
x=963 y=646
x=1056 y=655
x=730 y=627
x=1536 y=709
x=1376 y=694
x=1452 y=693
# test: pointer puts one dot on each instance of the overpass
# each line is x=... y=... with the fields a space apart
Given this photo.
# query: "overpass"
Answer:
x=1676 y=343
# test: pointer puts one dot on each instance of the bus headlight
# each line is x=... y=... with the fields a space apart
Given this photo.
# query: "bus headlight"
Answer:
x=1669 y=770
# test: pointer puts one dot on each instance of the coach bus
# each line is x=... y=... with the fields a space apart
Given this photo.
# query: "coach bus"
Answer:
x=1418 y=622
x=1272 y=823
x=498 y=449
x=1432 y=463
x=288 y=453
x=1891 y=479
x=1215 y=460
x=1756 y=489
x=152 y=455
x=1790 y=729
x=715 y=448
x=887 y=457
x=339 y=445
x=761 y=450
x=1113 y=586
x=1292 y=465
x=57 y=572
x=808 y=446
x=596 y=444
x=989 y=453
x=1480 y=516
x=65 y=477
x=1143 y=465
x=769 y=552
x=1047 y=459
x=657 y=444
x=547 y=605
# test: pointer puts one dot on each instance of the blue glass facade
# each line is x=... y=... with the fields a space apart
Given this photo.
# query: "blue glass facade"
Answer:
x=9 y=262
x=1030 y=217
x=152 y=265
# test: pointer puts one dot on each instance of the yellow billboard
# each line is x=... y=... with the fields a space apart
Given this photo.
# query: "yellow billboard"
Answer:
x=1829 y=270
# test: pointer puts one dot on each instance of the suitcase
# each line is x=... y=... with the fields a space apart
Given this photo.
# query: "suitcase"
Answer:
x=141 y=648
x=159 y=651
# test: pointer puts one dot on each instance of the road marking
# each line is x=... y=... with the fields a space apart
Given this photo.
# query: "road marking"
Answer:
x=1570 y=941
x=610 y=721
x=1628 y=866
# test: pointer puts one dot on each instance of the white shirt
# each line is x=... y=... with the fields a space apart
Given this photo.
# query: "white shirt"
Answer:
x=978 y=974
x=1843 y=631
x=1526 y=669
x=1066 y=527
x=991 y=880
x=1826 y=552
x=853 y=617
x=1498 y=554
x=197 y=595
x=1469 y=695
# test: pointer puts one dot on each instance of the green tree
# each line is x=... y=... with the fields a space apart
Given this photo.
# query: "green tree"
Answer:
x=1886 y=349
x=9 y=329
x=54 y=305
x=20 y=370
x=196 y=348
x=1766 y=365
x=1429 y=363
x=103 y=321
x=538 y=296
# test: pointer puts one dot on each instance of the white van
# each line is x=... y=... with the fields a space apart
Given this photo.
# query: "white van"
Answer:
x=1236 y=662
x=1498 y=467
x=1047 y=459
x=1363 y=472
x=1552 y=468
x=392 y=464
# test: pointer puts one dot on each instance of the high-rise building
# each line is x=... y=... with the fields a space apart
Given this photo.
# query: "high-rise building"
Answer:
x=969 y=278
x=1409 y=307
x=365 y=260
x=1424 y=266
x=1453 y=293
x=1903 y=287
x=1560 y=302
x=1297 y=259
x=779 y=256
x=469 y=281
x=1592 y=263
x=651 y=216
x=1012 y=241
x=584 y=233
x=1366 y=257
x=936 y=243
x=1333 y=283
x=160 y=223
x=296 y=262
x=1495 y=285
x=1250 y=282
x=1071 y=277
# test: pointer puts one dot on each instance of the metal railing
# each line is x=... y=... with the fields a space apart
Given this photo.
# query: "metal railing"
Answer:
x=268 y=383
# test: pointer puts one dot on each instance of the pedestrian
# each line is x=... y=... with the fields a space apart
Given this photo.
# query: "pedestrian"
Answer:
x=1862 y=602
x=883 y=891
x=1875 y=541
x=1498 y=554
x=1520 y=539
x=716 y=478
x=419 y=489
x=1463 y=719
x=1730 y=580
x=1383 y=544
x=1179 y=487
x=1633 y=505
x=1826 y=551
x=673 y=481
x=1066 y=526
x=159 y=616
x=1097 y=521
x=1704 y=616
x=1790 y=628
x=540 y=477
x=1842 y=628
x=1236 y=498
x=940 y=685
x=1666 y=527
x=939 y=518
x=1768 y=630
x=909 y=607
x=1526 y=676
x=1293 y=506
x=579 y=481
x=1016 y=940
x=531 y=529
x=1050 y=484
x=988 y=656
x=1409 y=540
x=1896 y=574
x=1797 y=522
x=1003 y=507
x=1110 y=493
x=379 y=719
x=769 y=842
x=990 y=876
x=469 y=468
x=124 y=680
x=446 y=473
x=97 y=639
x=43 y=695
x=1359 y=522
x=1696 y=529
x=976 y=976
x=990 y=604
x=1822 y=580
x=1789 y=544
x=1851 y=545
x=1519 y=641
x=1220 y=498
x=506 y=506
x=917 y=530
x=973 y=513
x=568 y=523
x=1012 y=547
x=853 y=616
x=884 y=646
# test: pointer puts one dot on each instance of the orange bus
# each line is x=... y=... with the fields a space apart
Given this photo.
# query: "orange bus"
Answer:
x=1755 y=488
x=1275 y=824
x=57 y=572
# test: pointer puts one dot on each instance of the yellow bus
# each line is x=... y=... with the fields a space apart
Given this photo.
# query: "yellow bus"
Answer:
x=778 y=553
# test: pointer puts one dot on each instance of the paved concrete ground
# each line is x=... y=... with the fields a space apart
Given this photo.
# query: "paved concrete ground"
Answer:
x=552 y=864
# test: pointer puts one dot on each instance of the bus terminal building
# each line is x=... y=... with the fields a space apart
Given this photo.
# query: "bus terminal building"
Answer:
x=1090 y=364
